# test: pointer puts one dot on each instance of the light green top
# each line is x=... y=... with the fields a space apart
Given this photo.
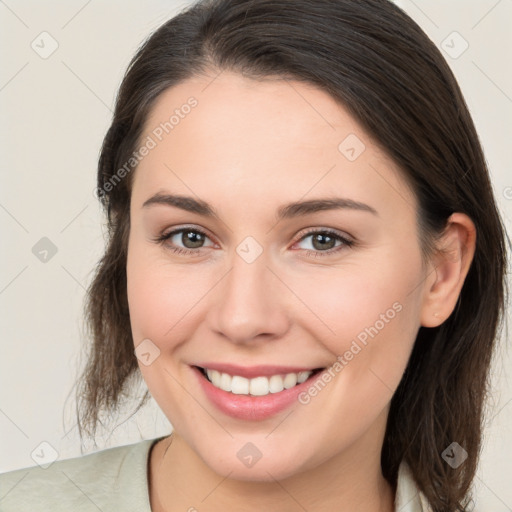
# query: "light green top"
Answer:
x=116 y=480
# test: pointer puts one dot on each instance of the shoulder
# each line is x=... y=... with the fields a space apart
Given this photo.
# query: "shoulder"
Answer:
x=115 y=478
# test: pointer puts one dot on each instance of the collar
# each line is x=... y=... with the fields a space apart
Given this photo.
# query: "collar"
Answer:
x=408 y=497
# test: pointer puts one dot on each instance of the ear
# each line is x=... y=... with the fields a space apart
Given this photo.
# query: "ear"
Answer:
x=448 y=270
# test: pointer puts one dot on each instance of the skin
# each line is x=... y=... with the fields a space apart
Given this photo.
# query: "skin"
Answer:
x=248 y=148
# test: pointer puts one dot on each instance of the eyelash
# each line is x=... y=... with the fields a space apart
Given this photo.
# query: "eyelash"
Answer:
x=346 y=243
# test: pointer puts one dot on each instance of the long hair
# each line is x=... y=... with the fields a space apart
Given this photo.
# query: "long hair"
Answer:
x=377 y=63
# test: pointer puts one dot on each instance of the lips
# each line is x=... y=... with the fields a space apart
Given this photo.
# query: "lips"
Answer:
x=246 y=406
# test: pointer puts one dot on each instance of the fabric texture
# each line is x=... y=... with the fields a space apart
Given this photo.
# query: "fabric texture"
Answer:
x=115 y=480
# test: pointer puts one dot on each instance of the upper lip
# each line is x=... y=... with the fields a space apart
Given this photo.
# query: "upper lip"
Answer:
x=250 y=372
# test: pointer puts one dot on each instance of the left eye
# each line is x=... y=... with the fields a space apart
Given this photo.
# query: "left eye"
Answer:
x=324 y=241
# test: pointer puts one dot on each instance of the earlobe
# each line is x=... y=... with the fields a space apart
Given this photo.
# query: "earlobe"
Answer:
x=450 y=267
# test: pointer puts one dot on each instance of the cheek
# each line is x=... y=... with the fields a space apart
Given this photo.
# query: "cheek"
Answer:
x=162 y=296
x=373 y=321
x=162 y=300
x=366 y=313
x=354 y=296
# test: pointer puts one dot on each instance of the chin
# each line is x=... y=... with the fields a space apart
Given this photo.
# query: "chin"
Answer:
x=273 y=465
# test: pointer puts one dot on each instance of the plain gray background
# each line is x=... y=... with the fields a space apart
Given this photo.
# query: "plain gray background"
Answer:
x=56 y=109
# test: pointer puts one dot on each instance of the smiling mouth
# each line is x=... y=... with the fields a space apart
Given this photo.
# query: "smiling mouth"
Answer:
x=258 y=386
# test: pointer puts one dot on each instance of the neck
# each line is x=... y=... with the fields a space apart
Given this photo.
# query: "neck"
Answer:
x=352 y=480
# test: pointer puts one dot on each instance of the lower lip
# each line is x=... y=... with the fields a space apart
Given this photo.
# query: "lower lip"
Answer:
x=248 y=407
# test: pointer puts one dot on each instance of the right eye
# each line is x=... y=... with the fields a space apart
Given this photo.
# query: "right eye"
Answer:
x=192 y=240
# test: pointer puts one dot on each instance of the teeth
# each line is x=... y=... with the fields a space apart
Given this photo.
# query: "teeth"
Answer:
x=259 y=386
x=303 y=376
x=290 y=380
x=240 y=385
x=225 y=382
x=275 y=384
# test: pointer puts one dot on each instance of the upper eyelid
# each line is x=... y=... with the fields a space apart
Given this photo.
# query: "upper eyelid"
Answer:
x=311 y=231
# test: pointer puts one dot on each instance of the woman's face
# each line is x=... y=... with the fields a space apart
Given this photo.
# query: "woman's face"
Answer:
x=270 y=289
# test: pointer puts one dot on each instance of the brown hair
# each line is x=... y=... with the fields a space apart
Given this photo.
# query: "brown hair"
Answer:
x=379 y=64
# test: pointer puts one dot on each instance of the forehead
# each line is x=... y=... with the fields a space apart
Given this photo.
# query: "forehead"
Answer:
x=273 y=109
x=233 y=133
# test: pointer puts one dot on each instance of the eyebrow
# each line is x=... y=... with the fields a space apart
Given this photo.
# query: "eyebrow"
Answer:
x=289 y=211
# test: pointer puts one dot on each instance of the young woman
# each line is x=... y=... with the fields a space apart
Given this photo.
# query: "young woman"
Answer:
x=305 y=265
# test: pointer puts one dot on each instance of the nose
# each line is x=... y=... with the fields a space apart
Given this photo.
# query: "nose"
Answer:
x=250 y=303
